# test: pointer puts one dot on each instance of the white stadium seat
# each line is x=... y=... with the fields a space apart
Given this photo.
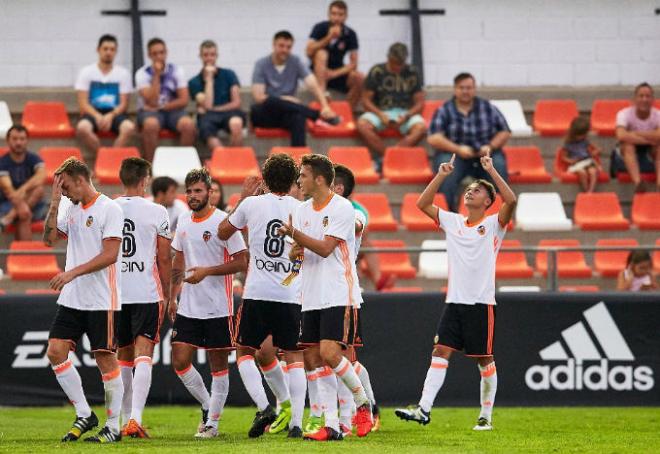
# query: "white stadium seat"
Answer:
x=433 y=265
x=5 y=119
x=541 y=211
x=515 y=117
x=175 y=162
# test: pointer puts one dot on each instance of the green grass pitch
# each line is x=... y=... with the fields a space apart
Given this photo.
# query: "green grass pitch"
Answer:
x=538 y=430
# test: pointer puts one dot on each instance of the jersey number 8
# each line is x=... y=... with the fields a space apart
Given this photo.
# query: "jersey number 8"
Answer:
x=274 y=243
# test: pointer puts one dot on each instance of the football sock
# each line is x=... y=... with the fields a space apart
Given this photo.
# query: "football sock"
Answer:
x=488 y=389
x=313 y=391
x=126 y=368
x=193 y=381
x=328 y=397
x=114 y=392
x=347 y=374
x=219 y=392
x=363 y=374
x=345 y=397
x=297 y=390
x=275 y=378
x=69 y=379
x=435 y=377
x=141 y=385
x=252 y=381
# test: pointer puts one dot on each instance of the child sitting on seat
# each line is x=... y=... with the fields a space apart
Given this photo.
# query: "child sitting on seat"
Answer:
x=638 y=274
x=580 y=155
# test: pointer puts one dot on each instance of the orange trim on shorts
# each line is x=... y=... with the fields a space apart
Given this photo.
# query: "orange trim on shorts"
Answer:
x=112 y=283
x=311 y=376
x=325 y=372
x=220 y=373
x=111 y=330
x=60 y=368
x=244 y=358
x=298 y=365
x=125 y=363
x=184 y=371
x=491 y=329
x=111 y=375
x=270 y=366
x=143 y=359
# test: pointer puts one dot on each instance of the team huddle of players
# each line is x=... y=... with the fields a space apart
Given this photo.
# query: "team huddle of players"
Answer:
x=301 y=298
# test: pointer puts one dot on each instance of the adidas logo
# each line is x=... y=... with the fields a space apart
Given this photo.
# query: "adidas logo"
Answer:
x=585 y=365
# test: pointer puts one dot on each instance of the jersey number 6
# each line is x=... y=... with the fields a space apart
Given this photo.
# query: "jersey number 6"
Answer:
x=128 y=240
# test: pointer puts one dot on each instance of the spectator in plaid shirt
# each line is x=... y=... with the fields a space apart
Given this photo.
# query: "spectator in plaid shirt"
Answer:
x=470 y=127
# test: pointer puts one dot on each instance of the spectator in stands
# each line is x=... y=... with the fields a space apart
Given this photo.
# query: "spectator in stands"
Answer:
x=22 y=175
x=638 y=274
x=580 y=155
x=163 y=99
x=469 y=127
x=103 y=89
x=393 y=97
x=217 y=195
x=638 y=134
x=328 y=44
x=274 y=85
x=216 y=92
x=164 y=191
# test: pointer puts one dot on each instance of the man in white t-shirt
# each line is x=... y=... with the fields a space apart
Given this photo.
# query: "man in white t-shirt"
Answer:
x=90 y=297
x=103 y=89
x=163 y=97
x=203 y=318
x=638 y=133
x=269 y=308
x=145 y=273
x=323 y=228
x=468 y=321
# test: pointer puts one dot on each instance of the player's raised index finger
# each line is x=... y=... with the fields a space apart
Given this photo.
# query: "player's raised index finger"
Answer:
x=453 y=156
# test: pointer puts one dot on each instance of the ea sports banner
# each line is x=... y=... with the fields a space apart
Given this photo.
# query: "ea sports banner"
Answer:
x=550 y=349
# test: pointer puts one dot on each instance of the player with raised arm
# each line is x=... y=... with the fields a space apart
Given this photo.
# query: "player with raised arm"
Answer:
x=204 y=316
x=269 y=308
x=468 y=321
x=145 y=274
x=90 y=295
x=323 y=229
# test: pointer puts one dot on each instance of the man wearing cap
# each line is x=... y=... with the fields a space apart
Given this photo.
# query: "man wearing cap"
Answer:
x=393 y=97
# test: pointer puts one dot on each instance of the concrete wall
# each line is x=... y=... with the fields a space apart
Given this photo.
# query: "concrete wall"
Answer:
x=503 y=42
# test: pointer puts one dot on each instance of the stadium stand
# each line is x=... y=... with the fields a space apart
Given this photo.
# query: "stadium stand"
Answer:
x=5 y=119
x=345 y=128
x=609 y=263
x=394 y=263
x=656 y=257
x=645 y=211
x=175 y=162
x=31 y=267
x=603 y=115
x=525 y=165
x=403 y=290
x=514 y=116
x=108 y=161
x=560 y=169
x=380 y=213
x=512 y=264
x=233 y=200
x=430 y=106
x=541 y=211
x=231 y=165
x=434 y=264
x=54 y=156
x=358 y=159
x=553 y=116
x=404 y=165
x=570 y=264
x=47 y=119
x=413 y=219
x=579 y=288
x=295 y=152
x=270 y=133
x=599 y=211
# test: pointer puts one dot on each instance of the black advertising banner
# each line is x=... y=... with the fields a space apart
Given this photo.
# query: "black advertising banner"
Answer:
x=550 y=349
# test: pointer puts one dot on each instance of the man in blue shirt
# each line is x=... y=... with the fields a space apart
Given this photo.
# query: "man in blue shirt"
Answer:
x=470 y=127
x=216 y=92
x=22 y=175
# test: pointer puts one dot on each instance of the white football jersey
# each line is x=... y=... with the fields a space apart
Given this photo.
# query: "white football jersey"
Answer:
x=269 y=253
x=472 y=254
x=199 y=242
x=331 y=281
x=144 y=222
x=361 y=219
x=86 y=226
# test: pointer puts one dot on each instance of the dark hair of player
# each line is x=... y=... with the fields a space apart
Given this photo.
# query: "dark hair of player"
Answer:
x=133 y=170
x=107 y=38
x=344 y=176
x=490 y=189
x=280 y=172
x=74 y=168
x=320 y=165
x=162 y=184
x=197 y=176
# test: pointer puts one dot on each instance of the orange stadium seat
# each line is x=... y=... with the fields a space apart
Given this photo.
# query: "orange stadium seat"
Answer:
x=645 y=213
x=233 y=200
x=271 y=133
x=358 y=160
x=295 y=152
x=403 y=290
x=493 y=209
x=656 y=257
x=47 y=119
x=553 y=116
x=430 y=106
x=31 y=267
x=512 y=265
x=570 y=264
x=36 y=226
x=346 y=128
x=54 y=156
x=394 y=263
x=3 y=151
x=624 y=177
x=603 y=115
x=609 y=263
x=579 y=288
x=41 y=291
x=380 y=213
x=599 y=211
x=166 y=134
x=404 y=165
x=108 y=162
x=525 y=165
x=560 y=170
x=413 y=218
x=231 y=165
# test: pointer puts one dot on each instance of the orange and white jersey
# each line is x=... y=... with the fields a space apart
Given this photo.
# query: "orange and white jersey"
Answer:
x=86 y=226
x=472 y=253
x=199 y=242
x=269 y=252
x=144 y=222
x=331 y=281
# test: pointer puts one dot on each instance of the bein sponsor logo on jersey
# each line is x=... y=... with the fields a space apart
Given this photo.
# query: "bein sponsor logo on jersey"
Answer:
x=585 y=368
x=271 y=266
